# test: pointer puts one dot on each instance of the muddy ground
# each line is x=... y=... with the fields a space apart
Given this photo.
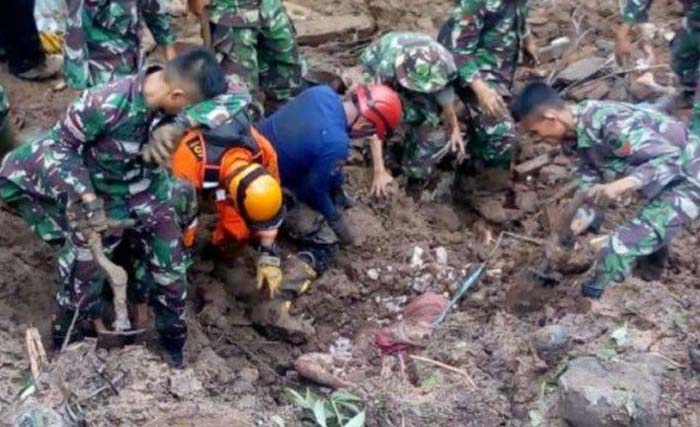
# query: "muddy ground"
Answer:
x=236 y=376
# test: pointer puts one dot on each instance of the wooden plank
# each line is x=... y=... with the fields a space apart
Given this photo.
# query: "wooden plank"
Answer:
x=532 y=165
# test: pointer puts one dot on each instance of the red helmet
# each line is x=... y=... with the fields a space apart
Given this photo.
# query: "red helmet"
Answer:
x=381 y=106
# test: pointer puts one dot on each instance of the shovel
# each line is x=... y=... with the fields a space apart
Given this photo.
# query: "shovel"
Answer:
x=118 y=279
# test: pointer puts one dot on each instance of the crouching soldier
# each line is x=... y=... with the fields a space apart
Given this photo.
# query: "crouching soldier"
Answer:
x=422 y=72
x=91 y=164
x=622 y=149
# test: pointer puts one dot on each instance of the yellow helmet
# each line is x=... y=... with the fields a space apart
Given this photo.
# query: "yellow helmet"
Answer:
x=257 y=196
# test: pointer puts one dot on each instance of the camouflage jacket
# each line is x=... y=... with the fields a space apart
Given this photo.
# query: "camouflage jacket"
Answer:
x=97 y=146
x=616 y=140
x=235 y=13
x=485 y=37
x=102 y=38
x=634 y=11
x=413 y=61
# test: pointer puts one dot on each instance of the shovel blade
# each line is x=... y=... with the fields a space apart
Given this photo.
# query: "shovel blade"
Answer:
x=118 y=339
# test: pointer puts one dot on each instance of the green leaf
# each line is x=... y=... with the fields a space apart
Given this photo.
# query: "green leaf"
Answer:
x=296 y=398
x=357 y=421
x=344 y=396
x=354 y=409
x=319 y=410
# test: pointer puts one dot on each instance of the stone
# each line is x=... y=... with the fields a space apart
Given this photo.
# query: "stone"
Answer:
x=555 y=49
x=551 y=342
x=316 y=31
x=441 y=255
x=553 y=173
x=532 y=165
x=592 y=90
x=526 y=201
x=417 y=257
x=581 y=69
x=622 y=394
x=373 y=274
x=184 y=383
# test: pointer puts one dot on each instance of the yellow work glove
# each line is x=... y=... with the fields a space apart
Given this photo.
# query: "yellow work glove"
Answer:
x=269 y=274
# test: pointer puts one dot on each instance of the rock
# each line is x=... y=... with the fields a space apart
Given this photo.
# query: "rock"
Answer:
x=555 y=49
x=623 y=394
x=526 y=201
x=441 y=255
x=417 y=257
x=594 y=90
x=373 y=274
x=184 y=383
x=646 y=88
x=581 y=69
x=324 y=29
x=553 y=173
x=551 y=342
x=532 y=165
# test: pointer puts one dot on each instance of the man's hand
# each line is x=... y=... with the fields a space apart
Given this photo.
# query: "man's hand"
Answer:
x=530 y=53
x=623 y=45
x=197 y=6
x=490 y=101
x=341 y=229
x=88 y=215
x=457 y=145
x=162 y=144
x=269 y=274
x=380 y=183
x=602 y=194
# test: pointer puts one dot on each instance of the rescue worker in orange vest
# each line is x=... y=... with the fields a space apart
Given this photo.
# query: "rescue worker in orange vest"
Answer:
x=239 y=166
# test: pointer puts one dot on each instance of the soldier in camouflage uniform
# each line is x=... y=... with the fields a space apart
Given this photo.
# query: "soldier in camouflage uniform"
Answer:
x=102 y=39
x=685 y=47
x=422 y=72
x=622 y=148
x=255 y=41
x=91 y=163
x=485 y=38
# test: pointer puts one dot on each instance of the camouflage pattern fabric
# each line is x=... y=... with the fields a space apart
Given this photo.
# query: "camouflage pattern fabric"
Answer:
x=6 y=138
x=97 y=148
x=616 y=140
x=485 y=38
x=685 y=46
x=102 y=38
x=256 y=42
x=4 y=103
x=418 y=68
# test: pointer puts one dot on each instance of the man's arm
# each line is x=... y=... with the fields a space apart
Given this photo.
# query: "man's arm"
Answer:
x=658 y=162
x=86 y=120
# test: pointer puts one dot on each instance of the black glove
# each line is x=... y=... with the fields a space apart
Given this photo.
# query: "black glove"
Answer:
x=341 y=229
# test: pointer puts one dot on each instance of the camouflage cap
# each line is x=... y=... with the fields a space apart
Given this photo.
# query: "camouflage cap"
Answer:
x=425 y=67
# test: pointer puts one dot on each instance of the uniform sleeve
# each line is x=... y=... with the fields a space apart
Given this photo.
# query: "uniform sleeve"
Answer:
x=634 y=11
x=158 y=22
x=217 y=111
x=86 y=120
x=468 y=24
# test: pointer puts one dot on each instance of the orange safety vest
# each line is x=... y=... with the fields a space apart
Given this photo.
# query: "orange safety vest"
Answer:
x=206 y=158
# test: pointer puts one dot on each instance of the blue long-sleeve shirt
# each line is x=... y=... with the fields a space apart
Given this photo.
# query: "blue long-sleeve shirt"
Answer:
x=310 y=135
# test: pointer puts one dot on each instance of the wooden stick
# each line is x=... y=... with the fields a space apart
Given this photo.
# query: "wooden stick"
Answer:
x=528 y=239
x=447 y=367
x=613 y=74
x=66 y=339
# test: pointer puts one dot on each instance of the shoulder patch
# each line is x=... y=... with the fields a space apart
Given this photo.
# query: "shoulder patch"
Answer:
x=195 y=146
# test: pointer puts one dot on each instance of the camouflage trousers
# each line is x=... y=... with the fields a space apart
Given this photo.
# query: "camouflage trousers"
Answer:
x=655 y=225
x=81 y=283
x=312 y=234
x=488 y=139
x=685 y=61
x=260 y=49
